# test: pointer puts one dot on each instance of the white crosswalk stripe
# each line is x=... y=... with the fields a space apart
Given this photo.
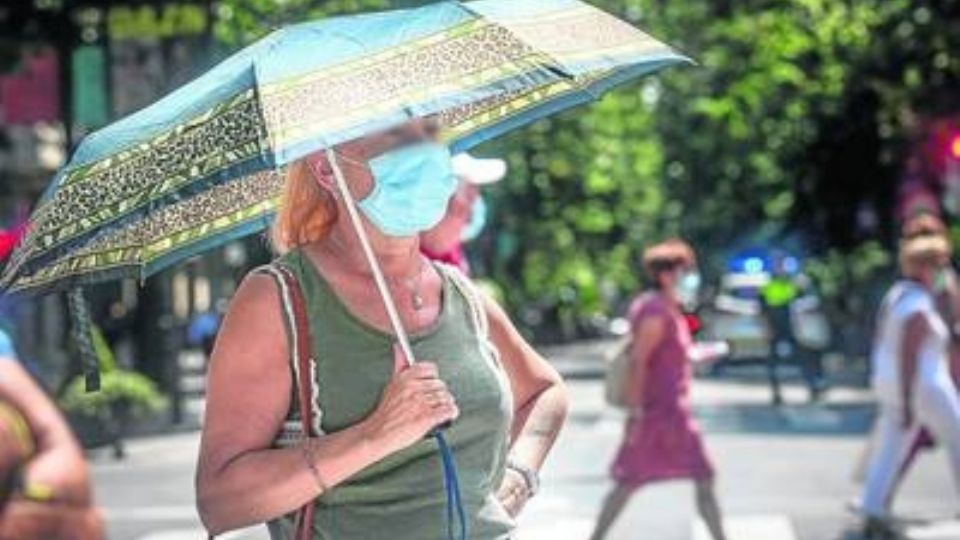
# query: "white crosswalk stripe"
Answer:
x=561 y=529
x=251 y=533
x=751 y=527
x=945 y=530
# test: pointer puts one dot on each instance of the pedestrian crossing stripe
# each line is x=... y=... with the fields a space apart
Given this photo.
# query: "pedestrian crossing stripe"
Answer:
x=753 y=527
x=750 y=527
x=252 y=533
x=935 y=531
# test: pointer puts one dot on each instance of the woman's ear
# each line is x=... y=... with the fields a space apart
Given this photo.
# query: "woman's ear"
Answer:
x=322 y=172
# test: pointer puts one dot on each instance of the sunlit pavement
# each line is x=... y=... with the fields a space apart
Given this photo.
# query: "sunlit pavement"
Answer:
x=783 y=475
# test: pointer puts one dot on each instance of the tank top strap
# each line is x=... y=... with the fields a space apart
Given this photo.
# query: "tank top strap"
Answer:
x=292 y=430
x=468 y=291
x=480 y=322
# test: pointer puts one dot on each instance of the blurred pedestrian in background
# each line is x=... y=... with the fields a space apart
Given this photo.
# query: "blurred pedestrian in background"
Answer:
x=44 y=481
x=466 y=213
x=662 y=440
x=948 y=305
x=203 y=327
x=948 y=299
x=784 y=299
x=911 y=377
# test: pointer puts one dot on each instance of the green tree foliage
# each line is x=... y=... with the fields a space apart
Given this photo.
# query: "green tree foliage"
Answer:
x=240 y=22
x=795 y=116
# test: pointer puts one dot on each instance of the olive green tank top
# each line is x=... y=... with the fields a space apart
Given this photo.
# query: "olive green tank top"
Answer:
x=403 y=496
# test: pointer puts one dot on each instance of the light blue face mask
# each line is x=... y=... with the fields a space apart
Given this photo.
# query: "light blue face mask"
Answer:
x=412 y=186
x=478 y=219
x=687 y=288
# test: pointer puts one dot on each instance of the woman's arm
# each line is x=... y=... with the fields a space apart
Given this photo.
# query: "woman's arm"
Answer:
x=916 y=331
x=539 y=396
x=705 y=352
x=241 y=478
x=648 y=332
x=58 y=463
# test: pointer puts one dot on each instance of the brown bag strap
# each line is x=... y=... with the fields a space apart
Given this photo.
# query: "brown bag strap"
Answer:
x=295 y=310
x=302 y=366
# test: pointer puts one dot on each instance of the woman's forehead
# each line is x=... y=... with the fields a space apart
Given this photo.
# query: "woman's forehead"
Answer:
x=414 y=131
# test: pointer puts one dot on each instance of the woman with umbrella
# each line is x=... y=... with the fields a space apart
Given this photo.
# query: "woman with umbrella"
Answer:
x=315 y=397
x=373 y=470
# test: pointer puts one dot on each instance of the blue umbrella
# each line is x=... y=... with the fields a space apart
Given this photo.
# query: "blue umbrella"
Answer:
x=203 y=165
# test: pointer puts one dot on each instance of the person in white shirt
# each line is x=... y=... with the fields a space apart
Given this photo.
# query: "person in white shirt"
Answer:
x=911 y=377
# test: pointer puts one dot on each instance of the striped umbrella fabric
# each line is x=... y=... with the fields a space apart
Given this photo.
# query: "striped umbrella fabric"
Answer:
x=205 y=164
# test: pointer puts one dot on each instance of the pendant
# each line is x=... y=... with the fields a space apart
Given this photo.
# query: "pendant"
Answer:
x=417 y=301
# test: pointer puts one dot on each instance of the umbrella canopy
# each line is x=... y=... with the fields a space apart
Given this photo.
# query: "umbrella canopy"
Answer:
x=204 y=165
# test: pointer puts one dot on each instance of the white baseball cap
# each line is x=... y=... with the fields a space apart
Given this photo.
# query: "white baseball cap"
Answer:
x=479 y=171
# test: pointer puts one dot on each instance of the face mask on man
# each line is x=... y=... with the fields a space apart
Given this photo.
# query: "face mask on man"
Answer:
x=412 y=187
x=687 y=288
x=943 y=279
x=478 y=219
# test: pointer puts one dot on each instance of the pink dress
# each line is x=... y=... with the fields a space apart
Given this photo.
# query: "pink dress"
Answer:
x=664 y=443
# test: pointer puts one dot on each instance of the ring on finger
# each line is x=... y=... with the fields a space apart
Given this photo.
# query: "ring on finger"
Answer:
x=435 y=398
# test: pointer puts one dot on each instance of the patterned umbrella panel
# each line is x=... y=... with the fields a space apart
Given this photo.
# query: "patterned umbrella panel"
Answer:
x=205 y=164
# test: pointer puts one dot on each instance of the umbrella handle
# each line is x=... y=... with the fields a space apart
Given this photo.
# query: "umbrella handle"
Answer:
x=402 y=339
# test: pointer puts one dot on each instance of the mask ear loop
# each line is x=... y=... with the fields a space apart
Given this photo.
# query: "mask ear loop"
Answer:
x=403 y=339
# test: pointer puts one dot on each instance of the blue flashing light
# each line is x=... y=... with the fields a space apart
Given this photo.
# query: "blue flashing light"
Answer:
x=791 y=265
x=753 y=265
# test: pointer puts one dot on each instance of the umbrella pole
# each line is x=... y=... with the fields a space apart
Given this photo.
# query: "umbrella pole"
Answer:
x=388 y=303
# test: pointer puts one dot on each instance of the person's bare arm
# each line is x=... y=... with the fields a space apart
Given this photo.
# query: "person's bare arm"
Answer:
x=539 y=396
x=241 y=478
x=58 y=463
x=706 y=352
x=916 y=331
x=648 y=332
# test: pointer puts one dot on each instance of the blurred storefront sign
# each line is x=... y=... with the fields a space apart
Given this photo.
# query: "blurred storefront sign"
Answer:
x=90 y=99
x=31 y=93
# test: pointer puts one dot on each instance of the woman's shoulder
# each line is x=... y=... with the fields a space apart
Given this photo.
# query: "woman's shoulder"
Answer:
x=908 y=297
x=290 y=259
x=258 y=288
x=648 y=304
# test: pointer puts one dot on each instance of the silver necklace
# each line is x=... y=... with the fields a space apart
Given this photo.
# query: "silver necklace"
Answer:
x=412 y=283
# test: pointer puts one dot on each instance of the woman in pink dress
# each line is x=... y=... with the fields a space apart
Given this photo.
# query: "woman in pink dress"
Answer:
x=662 y=440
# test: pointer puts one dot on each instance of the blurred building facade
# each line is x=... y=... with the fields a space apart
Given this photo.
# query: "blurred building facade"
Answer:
x=68 y=67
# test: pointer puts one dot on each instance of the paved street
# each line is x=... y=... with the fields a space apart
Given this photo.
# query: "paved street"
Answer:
x=783 y=475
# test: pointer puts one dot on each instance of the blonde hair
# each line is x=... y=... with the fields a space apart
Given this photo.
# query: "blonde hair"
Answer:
x=922 y=251
x=667 y=256
x=306 y=211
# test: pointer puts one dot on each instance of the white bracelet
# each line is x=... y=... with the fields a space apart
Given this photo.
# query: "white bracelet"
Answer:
x=530 y=477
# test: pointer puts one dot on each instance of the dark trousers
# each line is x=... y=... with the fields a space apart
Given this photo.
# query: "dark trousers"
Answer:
x=785 y=349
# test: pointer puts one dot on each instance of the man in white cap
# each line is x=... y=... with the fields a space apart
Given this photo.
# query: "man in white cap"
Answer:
x=466 y=212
